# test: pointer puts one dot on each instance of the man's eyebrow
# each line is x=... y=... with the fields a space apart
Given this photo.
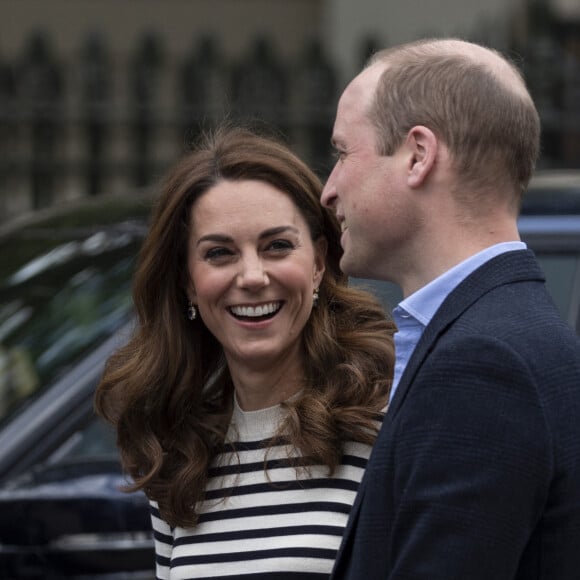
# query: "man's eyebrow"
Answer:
x=226 y=239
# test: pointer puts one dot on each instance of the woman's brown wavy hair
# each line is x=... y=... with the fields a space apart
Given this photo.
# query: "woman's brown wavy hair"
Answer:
x=168 y=392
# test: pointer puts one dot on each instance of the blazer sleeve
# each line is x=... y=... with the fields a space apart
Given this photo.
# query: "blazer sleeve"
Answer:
x=472 y=463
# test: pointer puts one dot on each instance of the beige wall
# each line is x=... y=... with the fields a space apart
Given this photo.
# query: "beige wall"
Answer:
x=179 y=24
x=342 y=24
x=178 y=21
x=567 y=8
x=346 y=22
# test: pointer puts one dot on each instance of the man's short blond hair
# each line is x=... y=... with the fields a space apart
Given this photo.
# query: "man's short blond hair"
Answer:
x=471 y=97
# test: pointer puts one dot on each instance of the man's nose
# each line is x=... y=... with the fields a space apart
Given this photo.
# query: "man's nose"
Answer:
x=328 y=197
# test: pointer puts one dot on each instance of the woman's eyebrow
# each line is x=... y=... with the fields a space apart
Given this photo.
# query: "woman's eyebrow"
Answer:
x=226 y=239
x=278 y=230
x=220 y=238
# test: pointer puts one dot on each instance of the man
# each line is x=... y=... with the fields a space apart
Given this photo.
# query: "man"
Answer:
x=476 y=471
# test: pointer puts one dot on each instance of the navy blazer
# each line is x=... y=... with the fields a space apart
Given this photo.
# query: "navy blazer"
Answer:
x=475 y=474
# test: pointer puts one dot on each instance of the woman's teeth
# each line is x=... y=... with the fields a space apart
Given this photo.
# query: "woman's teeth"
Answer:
x=256 y=311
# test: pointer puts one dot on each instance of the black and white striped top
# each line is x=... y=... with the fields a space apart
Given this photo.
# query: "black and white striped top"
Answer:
x=280 y=523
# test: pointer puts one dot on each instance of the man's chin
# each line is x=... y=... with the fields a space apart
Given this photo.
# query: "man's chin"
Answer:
x=354 y=267
x=349 y=266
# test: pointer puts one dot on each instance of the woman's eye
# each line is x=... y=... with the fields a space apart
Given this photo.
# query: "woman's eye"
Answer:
x=280 y=246
x=216 y=254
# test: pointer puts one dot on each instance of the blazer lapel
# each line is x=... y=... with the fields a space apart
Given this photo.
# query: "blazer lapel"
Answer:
x=514 y=266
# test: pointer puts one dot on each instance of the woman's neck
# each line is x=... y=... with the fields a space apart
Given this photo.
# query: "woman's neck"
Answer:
x=260 y=388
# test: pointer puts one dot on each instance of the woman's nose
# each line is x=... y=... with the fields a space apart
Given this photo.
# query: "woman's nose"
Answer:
x=252 y=273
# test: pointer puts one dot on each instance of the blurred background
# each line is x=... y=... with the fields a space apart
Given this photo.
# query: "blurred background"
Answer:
x=101 y=96
x=97 y=99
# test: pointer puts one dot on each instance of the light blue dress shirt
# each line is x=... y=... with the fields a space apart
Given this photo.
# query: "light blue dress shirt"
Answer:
x=415 y=312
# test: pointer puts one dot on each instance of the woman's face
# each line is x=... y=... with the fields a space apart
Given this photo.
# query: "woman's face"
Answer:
x=253 y=270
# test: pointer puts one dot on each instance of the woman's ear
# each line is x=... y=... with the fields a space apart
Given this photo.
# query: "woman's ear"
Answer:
x=320 y=250
x=191 y=293
x=422 y=144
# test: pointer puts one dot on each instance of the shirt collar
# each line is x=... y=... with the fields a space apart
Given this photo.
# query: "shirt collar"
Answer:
x=424 y=303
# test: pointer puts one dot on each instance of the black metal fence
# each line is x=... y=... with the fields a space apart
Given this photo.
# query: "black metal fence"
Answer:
x=67 y=131
x=92 y=126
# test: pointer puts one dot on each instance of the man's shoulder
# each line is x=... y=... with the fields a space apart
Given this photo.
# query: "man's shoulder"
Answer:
x=509 y=267
x=506 y=290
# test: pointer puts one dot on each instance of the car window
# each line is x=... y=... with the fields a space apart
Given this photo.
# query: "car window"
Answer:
x=562 y=280
x=562 y=272
x=388 y=293
x=94 y=441
x=65 y=286
x=49 y=318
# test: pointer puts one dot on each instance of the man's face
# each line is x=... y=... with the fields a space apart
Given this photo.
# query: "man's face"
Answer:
x=367 y=190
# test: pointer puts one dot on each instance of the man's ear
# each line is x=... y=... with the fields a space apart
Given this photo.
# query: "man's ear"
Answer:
x=422 y=145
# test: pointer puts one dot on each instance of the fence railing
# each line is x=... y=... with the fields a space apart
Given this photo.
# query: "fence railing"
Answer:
x=69 y=130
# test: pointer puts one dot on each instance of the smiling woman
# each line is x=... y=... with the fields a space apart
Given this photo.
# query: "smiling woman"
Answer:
x=248 y=399
x=254 y=287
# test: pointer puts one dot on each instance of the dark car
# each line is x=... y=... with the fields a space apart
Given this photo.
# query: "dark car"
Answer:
x=550 y=224
x=65 y=306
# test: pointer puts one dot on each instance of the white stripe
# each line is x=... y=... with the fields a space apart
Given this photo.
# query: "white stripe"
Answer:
x=312 y=565
x=260 y=522
x=325 y=542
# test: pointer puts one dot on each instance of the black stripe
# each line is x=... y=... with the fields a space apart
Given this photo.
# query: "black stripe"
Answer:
x=162 y=560
x=292 y=485
x=254 y=555
x=269 y=510
x=238 y=468
x=355 y=461
x=164 y=538
x=238 y=446
x=260 y=533
x=154 y=511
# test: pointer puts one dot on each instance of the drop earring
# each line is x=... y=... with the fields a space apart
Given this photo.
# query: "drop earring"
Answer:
x=315 y=298
x=191 y=311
